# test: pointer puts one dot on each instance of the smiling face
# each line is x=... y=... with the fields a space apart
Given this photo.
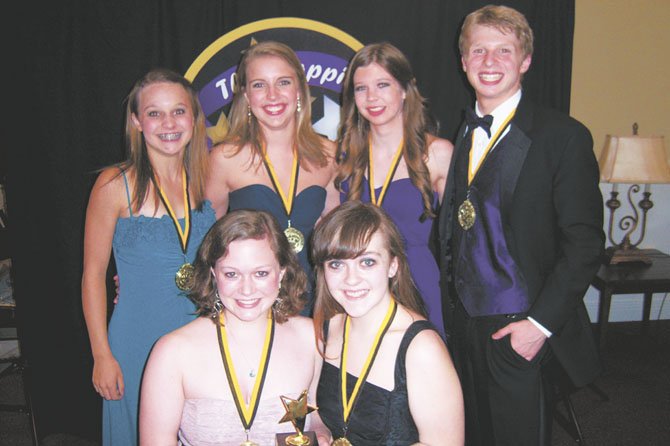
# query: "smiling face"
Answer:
x=272 y=92
x=165 y=117
x=247 y=279
x=379 y=96
x=494 y=64
x=361 y=285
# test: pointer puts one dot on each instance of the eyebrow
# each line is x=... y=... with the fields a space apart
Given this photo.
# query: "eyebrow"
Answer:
x=149 y=106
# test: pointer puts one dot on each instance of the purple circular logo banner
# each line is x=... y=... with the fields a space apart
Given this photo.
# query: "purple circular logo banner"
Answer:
x=323 y=50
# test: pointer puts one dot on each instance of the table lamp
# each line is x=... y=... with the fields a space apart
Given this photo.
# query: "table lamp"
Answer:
x=632 y=160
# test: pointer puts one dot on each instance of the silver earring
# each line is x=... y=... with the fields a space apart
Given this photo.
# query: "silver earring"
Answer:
x=277 y=304
x=218 y=306
x=299 y=107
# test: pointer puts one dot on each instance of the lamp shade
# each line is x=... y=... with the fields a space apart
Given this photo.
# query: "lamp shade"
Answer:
x=634 y=159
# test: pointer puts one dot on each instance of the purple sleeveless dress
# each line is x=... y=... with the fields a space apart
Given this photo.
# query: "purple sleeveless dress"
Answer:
x=403 y=203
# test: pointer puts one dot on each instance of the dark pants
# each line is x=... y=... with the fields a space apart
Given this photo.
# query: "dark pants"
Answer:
x=503 y=392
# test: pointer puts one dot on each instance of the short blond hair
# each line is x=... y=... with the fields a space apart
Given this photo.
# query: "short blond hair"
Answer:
x=504 y=19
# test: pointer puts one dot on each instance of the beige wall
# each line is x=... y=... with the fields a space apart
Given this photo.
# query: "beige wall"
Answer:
x=621 y=67
x=621 y=75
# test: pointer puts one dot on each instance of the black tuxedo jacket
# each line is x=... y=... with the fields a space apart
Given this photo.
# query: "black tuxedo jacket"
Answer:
x=552 y=213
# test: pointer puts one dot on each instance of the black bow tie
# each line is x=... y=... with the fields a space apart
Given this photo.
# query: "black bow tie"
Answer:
x=475 y=121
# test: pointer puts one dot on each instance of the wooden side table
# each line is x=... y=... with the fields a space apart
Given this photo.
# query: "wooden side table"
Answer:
x=631 y=278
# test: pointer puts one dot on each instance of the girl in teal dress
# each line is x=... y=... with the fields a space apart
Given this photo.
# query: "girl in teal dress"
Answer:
x=151 y=212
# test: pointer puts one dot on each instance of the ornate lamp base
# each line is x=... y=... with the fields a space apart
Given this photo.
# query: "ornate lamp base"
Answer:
x=616 y=254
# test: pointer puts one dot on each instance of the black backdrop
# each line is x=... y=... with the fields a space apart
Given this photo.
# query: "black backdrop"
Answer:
x=73 y=63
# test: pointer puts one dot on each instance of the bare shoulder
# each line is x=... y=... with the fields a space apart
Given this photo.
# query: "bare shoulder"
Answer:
x=224 y=152
x=111 y=179
x=439 y=150
x=426 y=348
x=109 y=191
x=186 y=337
x=301 y=326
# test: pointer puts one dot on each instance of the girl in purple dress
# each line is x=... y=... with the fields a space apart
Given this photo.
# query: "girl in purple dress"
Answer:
x=389 y=157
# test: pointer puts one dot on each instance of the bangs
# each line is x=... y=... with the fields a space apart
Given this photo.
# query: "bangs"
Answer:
x=351 y=240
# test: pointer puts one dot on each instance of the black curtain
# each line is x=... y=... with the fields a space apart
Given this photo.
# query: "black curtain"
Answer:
x=73 y=64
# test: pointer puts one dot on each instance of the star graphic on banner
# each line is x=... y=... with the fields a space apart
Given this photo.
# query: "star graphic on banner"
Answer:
x=296 y=409
x=331 y=118
x=218 y=131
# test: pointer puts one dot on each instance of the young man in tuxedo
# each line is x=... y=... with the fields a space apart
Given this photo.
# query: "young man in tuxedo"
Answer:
x=520 y=239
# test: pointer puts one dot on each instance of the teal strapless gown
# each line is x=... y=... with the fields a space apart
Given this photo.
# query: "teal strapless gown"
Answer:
x=147 y=254
x=307 y=208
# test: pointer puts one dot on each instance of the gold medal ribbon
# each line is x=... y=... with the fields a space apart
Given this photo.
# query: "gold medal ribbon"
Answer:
x=247 y=412
x=389 y=176
x=348 y=403
x=185 y=233
x=494 y=140
x=287 y=199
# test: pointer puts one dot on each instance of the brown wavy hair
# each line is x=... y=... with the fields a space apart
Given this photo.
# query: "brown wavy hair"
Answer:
x=196 y=153
x=344 y=233
x=352 y=150
x=243 y=130
x=243 y=225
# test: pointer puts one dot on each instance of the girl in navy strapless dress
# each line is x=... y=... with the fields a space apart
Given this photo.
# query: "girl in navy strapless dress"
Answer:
x=388 y=157
x=272 y=159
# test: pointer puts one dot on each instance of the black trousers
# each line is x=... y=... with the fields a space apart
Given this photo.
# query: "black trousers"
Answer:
x=504 y=394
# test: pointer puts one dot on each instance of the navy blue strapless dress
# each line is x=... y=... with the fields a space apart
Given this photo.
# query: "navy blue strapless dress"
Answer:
x=307 y=208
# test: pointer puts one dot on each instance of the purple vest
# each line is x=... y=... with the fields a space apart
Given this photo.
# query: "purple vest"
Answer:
x=486 y=277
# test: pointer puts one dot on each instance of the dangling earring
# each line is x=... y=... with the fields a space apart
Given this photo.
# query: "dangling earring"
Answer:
x=218 y=306
x=248 y=114
x=299 y=107
x=278 y=305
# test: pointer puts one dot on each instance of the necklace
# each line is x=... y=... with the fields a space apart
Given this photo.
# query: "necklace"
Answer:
x=252 y=370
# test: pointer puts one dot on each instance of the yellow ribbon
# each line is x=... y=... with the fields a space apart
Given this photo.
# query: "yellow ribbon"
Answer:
x=183 y=233
x=494 y=140
x=348 y=403
x=389 y=176
x=247 y=412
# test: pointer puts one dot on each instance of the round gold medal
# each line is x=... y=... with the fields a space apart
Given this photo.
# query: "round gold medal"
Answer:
x=184 y=277
x=341 y=442
x=295 y=239
x=466 y=215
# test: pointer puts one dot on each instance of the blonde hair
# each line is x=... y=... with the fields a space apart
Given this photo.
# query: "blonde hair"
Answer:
x=196 y=153
x=505 y=20
x=246 y=130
